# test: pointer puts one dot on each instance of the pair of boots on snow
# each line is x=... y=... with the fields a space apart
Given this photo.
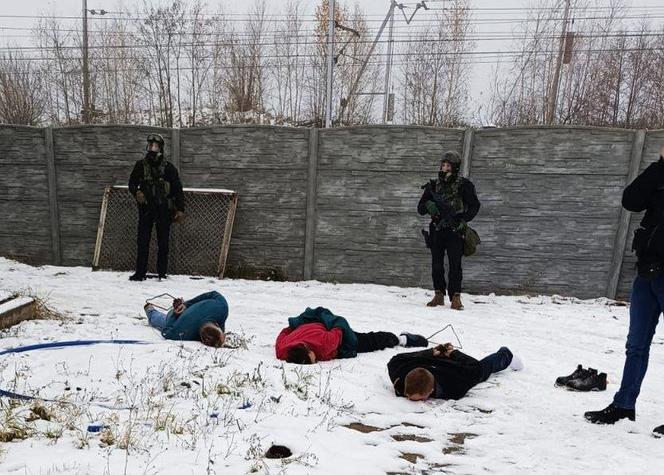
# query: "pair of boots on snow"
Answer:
x=583 y=380
x=590 y=380
x=439 y=300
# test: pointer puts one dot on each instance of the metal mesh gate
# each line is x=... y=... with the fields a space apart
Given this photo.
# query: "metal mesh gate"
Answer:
x=198 y=245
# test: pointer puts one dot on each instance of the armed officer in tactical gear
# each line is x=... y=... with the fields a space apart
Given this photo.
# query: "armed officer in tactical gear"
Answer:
x=156 y=186
x=451 y=202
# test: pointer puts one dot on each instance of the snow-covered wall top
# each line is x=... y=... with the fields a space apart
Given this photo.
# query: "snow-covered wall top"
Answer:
x=339 y=204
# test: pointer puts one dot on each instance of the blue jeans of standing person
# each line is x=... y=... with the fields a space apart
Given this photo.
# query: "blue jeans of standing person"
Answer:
x=647 y=303
x=156 y=318
x=495 y=362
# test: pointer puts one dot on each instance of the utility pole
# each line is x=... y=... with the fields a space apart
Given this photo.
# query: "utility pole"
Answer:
x=553 y=92
x=388 y=65
x=353 y=88
x=86 y=71
x=330 y=62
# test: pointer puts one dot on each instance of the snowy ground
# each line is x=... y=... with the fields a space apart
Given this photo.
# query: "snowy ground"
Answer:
x=516 y=422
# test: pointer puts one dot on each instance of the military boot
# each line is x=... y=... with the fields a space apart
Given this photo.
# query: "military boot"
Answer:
x=438 y=299
x=456 y=302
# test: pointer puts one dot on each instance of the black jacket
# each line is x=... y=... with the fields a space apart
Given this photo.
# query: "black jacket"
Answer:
x=646 y=192
x=455 y=374
x=137 y=182
x=471 y=203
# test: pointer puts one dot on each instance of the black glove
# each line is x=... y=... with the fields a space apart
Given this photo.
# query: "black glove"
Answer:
x=431 y=207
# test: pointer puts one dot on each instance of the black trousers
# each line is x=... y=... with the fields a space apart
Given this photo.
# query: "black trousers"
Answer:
x=375 y=341
x=147 y=218
x=495 y=362
x=447 y=242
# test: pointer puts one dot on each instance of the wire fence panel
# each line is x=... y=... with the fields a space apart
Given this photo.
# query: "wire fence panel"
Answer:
x=198 y=244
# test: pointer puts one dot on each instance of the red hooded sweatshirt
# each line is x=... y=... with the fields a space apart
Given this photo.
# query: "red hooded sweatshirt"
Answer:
x=321 y=341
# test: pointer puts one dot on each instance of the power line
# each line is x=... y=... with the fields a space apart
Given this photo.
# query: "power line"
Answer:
x=316 y=40
x=308 y=19
x=515 y=53
x=410 y=37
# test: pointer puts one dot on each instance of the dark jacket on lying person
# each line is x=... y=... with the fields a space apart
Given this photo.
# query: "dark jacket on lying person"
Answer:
x=454 y=375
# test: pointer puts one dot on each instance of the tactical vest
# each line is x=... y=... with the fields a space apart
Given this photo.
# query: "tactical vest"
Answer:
x=451 y=191
x=154 y=180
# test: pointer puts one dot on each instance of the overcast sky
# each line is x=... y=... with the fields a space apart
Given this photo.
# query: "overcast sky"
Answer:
x=375 y=9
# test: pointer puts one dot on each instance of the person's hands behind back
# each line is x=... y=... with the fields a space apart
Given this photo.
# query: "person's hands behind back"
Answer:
x=443 y=350
x=178 y=306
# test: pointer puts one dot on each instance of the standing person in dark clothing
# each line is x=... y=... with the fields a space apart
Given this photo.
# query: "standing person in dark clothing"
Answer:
x=646 y=192
x=451 y=202
x=155 y=184
x=319 y=335
x=443 y=372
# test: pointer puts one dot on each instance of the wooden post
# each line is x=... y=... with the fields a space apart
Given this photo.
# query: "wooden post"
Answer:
x=226 y=243
x=467 y=155
x=54 y=212
x=310 y=220
x=100 y=227
x=623 y=223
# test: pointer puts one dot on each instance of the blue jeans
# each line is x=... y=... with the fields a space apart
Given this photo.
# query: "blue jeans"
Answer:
x=647 y=302
x=495 y=362
x=156 y=318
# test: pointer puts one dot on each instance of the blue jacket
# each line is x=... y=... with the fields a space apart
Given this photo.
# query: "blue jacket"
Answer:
x=348 y=347
x=208 y=307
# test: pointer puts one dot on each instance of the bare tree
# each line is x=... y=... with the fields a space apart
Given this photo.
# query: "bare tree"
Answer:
x=653 y=92
x=314 y=100
x=242 y=60
x=290 y=62
x=198 y=53
x=160 y=34
x=21 y=88
x=117 y=76
x=435 y=77
x=356 y=46
x=60 y=67
x=610 y=77
x=520 y=94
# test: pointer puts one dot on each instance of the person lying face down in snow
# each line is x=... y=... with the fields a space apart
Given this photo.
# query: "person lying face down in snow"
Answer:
x=319 y=335
x=443 y=372
x=202 y=318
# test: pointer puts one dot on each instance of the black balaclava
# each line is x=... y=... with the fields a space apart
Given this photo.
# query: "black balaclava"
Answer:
x=151 y=155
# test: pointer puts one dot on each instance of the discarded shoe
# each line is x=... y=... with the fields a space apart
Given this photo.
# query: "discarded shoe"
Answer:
x=610 y=415
x=658 y=431
x=438 y=299
x=591 y=381
x=578 y=373
x=415 y=340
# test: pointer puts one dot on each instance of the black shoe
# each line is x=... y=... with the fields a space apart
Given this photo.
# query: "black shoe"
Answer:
x=590 y=382
x=415 y=340
x=658 y=431
x=578 y=373
x=610 y=415
x=162 y=277
x=137 y=277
